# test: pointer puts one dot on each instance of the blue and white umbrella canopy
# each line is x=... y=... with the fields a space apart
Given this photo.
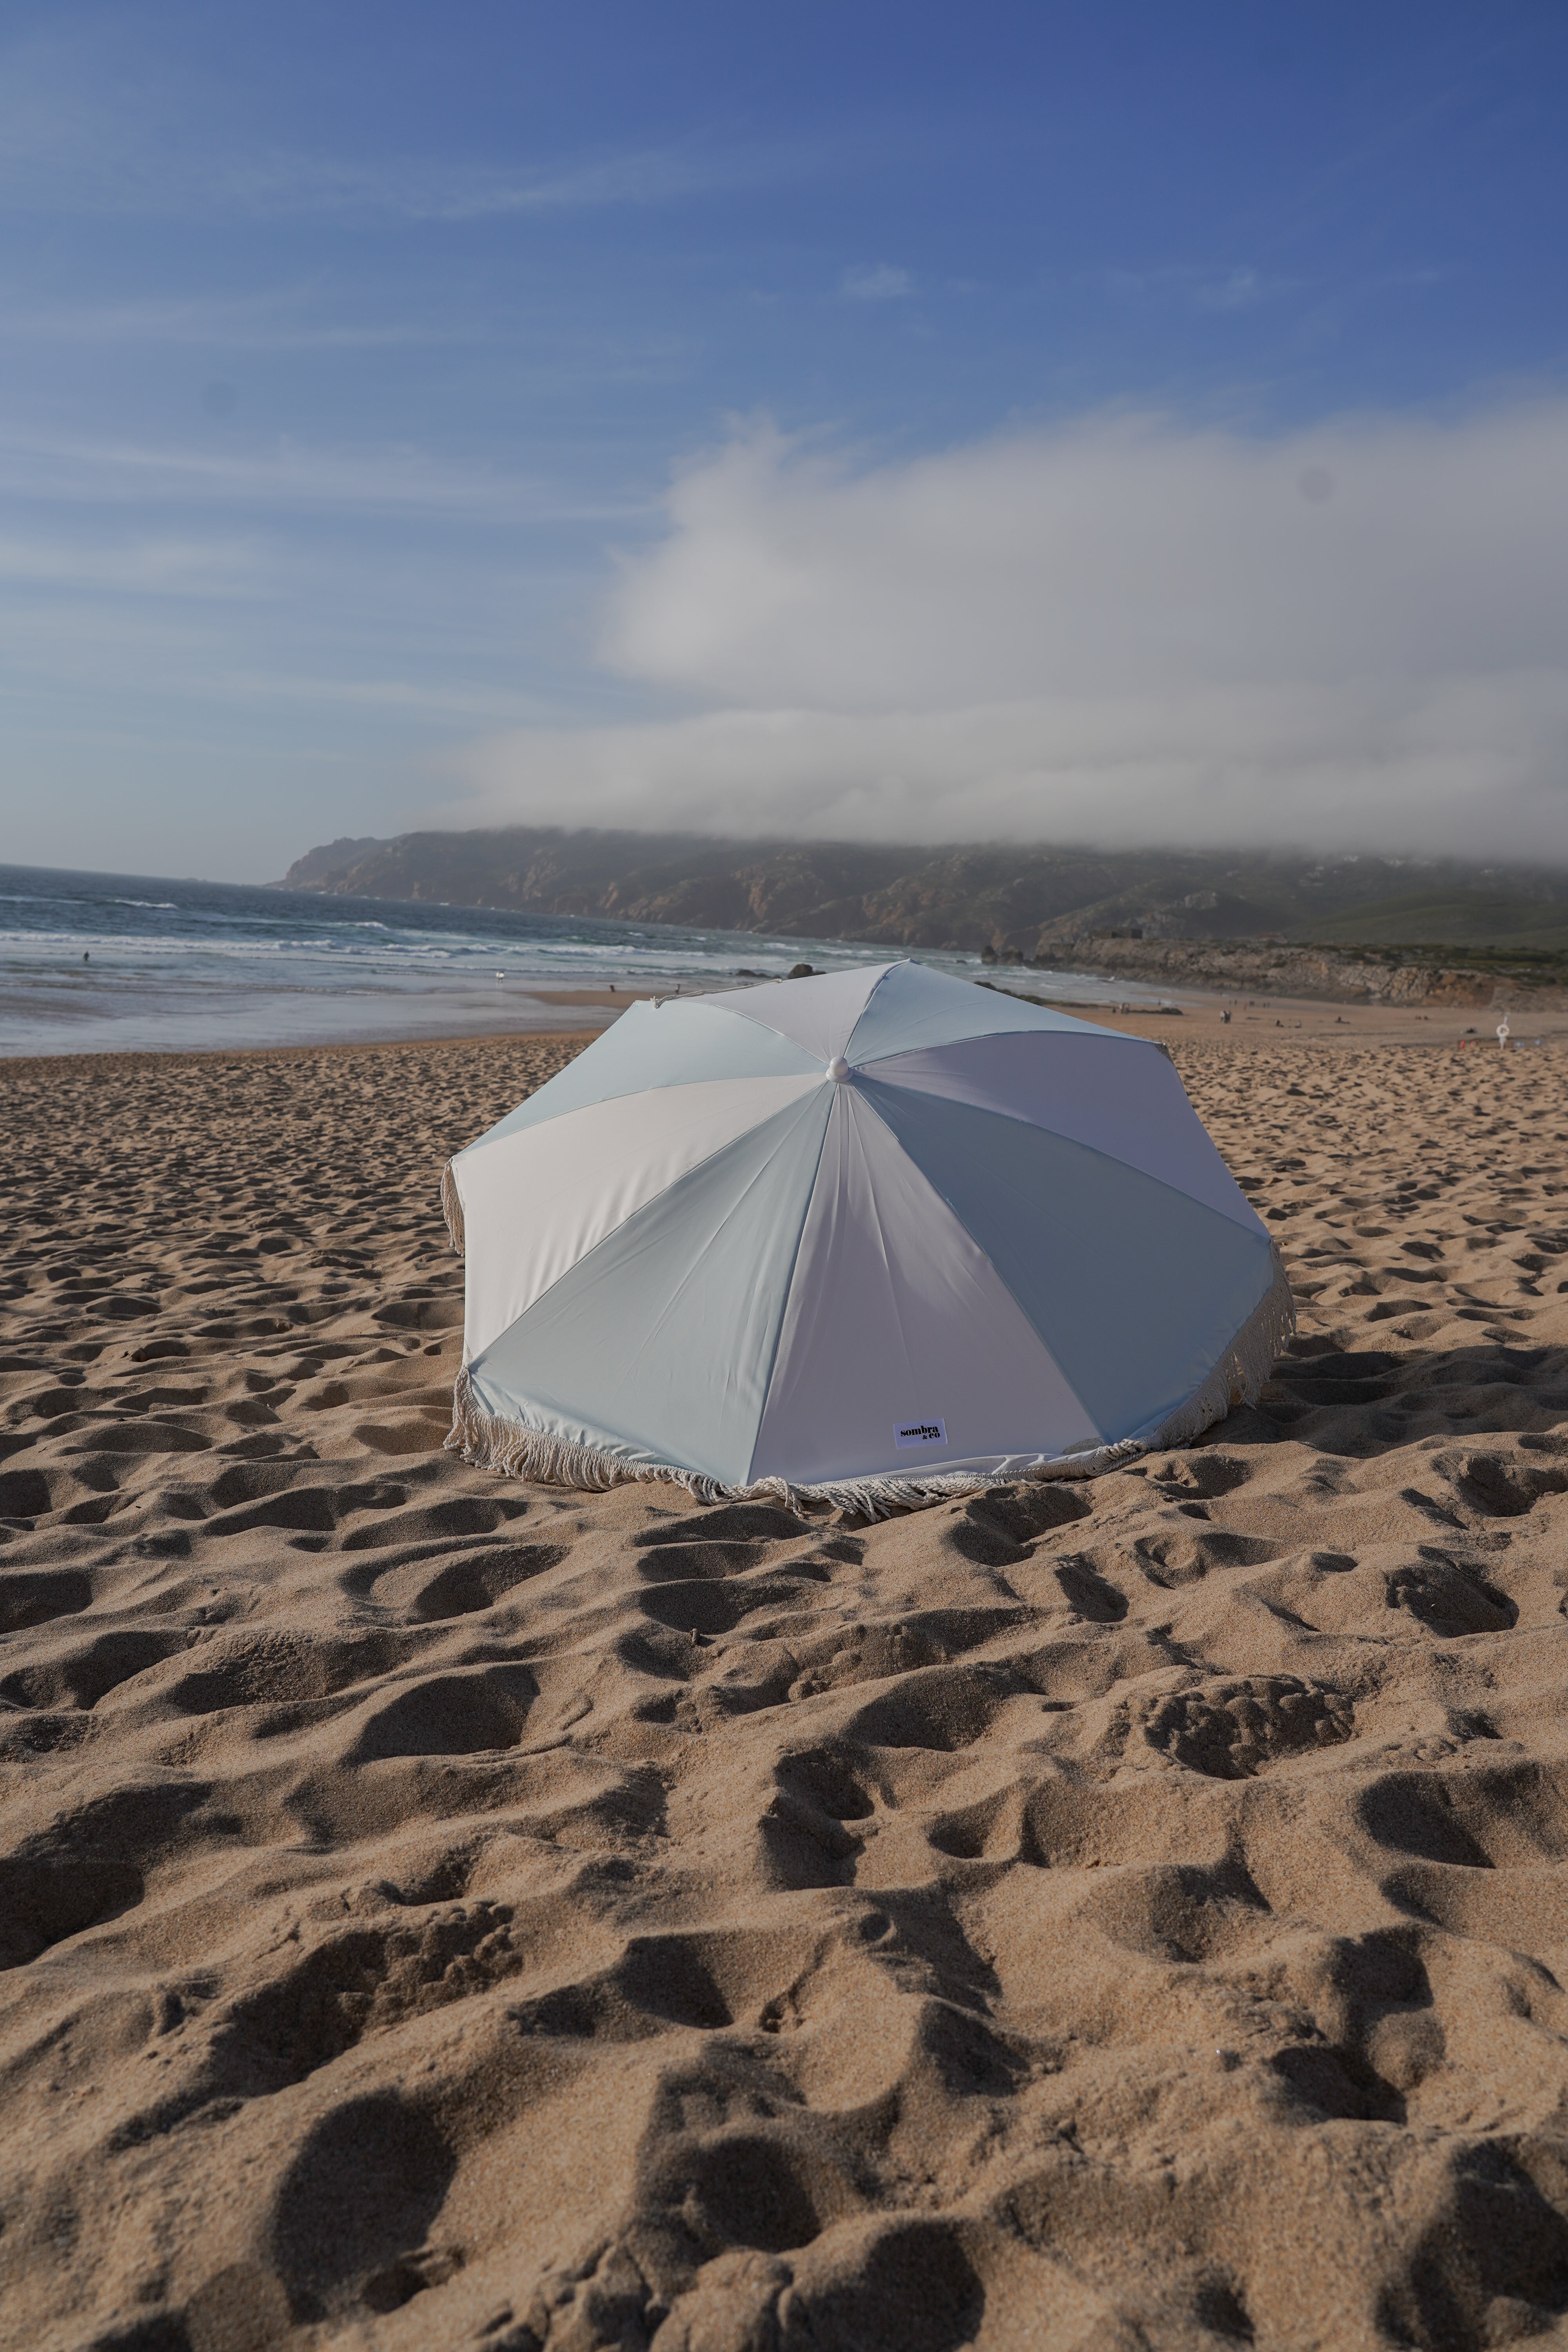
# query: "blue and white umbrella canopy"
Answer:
x=879 y=1235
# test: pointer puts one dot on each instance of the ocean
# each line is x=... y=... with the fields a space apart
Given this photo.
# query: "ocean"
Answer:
x=93 y=963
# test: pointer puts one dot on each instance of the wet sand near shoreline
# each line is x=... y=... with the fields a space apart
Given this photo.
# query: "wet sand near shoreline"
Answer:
x=439 y=1911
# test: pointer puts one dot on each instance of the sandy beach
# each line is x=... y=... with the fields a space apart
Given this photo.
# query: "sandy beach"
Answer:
x=441 y=1912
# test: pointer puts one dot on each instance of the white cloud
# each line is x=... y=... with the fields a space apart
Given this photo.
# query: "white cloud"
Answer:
x=1121 y=629
x=881 y=283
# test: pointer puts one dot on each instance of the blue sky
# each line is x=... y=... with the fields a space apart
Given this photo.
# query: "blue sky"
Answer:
x=620 y=413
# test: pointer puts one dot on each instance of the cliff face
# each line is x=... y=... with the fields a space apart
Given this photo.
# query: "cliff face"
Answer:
x=1044 y=905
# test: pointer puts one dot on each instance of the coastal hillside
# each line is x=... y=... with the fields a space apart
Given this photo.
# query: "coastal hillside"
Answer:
x=1028 y=905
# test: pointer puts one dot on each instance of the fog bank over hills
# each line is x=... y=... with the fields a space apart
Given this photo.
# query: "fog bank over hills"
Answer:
x=1122 y=627
x=1032 y=902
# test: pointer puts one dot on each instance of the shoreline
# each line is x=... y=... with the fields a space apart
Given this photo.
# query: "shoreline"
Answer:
x=1191 y=1015
x=517 y=1023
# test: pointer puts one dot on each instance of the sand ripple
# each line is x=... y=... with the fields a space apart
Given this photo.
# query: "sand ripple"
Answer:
x=441 y=1912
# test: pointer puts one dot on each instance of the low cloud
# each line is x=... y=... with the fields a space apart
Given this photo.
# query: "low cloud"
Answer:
x=1120 y=630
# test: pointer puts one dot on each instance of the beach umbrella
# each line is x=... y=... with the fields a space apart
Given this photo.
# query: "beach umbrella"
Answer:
x=879 y=1236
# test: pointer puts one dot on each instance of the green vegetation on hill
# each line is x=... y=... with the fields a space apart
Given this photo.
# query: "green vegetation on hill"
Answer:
x=1483 y=917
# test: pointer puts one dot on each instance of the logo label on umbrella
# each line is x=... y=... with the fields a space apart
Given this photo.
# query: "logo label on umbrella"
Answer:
x=920 y=1432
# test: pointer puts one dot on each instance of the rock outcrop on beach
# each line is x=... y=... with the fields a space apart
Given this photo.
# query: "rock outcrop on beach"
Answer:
x=1016 y=901
x=1273 y=968
x=439 y=1914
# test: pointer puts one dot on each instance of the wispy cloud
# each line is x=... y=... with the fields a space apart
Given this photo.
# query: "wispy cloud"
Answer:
x=287 y=475
x=1123 y=630
x=416 y=188
x=879 y=282
x=92 y=126
x=473 y=704
x=140 y=567
x=284 y=319
x=1237 y=290
x=1232 y=286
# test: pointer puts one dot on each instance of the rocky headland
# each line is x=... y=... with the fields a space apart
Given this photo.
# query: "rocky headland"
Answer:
x=959 y=897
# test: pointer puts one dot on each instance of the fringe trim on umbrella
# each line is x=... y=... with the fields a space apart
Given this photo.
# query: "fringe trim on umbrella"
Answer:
x=876 y=1498
x=488 y=1442
x=451 y=1206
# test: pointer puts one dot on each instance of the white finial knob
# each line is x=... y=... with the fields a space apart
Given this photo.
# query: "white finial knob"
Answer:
x=838 y=1069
